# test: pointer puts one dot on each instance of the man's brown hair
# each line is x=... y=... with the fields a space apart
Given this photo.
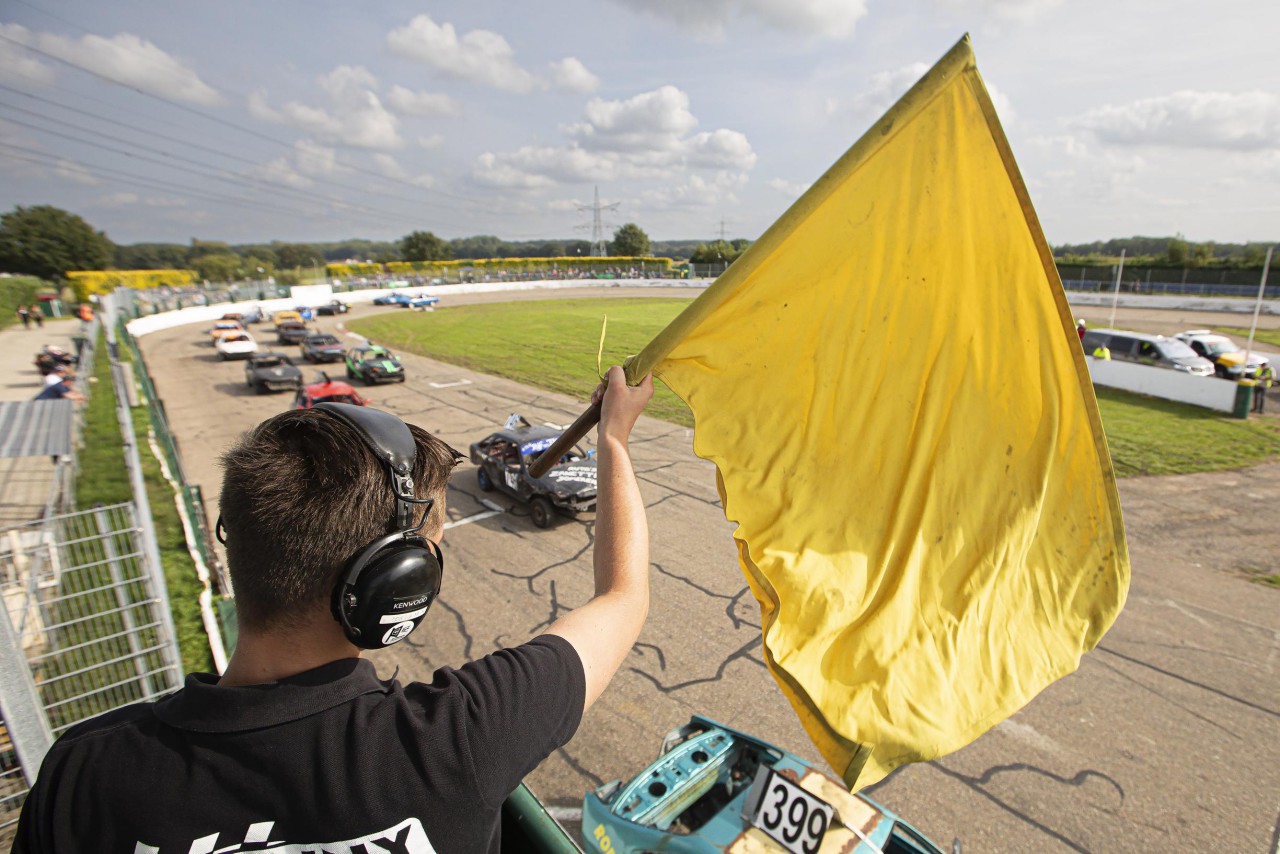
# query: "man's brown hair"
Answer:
x=301 y=494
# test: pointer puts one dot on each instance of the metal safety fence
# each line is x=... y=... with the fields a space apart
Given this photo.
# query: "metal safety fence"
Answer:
x=191 y=494
x=86 y=631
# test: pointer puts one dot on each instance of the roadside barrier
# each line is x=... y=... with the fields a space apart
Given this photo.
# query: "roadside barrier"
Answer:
x=216 y=612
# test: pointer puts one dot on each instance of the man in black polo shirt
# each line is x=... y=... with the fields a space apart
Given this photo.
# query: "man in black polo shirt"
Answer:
x=299 y=746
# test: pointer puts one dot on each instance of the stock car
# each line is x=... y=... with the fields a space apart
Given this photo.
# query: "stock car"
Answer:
x=716 y=789
x=237 y=345
x=325 y=390
x=1226 y=355
x=392 y=299
x=333 y=306
x=504 y=458
x=292 y=332
x=322 y=347
x=266 y=372
x=423 y=302
x=374 y=364
x=224 y=327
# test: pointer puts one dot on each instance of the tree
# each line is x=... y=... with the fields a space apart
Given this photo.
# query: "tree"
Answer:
x=298 y=255
x=717 y=252
x=217 y=266
x=1178 y=251
x=46 y=241
x=629 y=241
x=423 y=246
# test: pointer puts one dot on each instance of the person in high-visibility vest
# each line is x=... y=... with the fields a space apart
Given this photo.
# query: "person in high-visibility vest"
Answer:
x=1266 y=375
x=1102 y=352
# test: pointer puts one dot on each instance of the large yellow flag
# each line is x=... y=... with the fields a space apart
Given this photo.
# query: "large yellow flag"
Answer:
x=897 y=404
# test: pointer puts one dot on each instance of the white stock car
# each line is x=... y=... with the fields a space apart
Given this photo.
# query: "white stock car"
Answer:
x=238 y=345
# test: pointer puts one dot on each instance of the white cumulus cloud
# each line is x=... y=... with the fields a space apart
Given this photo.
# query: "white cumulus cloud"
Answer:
x=391 y=168
x=708 y=19
x=128 y=59
x=483 y=57
x=18 y=65
x=791 y=189
x=423 y=103
x=75 y=172
x=1245 y=121
x=480 y=56
x=571 y=75
x=355 y=115
x=647 y=136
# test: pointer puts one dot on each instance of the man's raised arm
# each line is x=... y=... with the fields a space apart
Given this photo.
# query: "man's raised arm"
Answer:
x=604 y=630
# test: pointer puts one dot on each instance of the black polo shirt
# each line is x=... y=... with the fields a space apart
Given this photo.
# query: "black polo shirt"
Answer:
x=331 y=760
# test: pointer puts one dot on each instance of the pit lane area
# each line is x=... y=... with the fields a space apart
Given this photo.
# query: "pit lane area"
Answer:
x=1167 y=738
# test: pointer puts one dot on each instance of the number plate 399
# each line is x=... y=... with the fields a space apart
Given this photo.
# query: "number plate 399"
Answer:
x=789 y=815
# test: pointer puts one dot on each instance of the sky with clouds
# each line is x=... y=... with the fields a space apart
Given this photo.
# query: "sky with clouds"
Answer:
x=323 y=120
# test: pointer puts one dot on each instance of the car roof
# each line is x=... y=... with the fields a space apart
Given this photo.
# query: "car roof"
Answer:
x=1202 y=335
x=327 y=388
x=369 y=348
x=325 y=335
x=1141 y=336
x=526 y=434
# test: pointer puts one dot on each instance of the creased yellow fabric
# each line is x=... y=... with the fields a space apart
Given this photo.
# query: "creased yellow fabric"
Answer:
x=897 y=404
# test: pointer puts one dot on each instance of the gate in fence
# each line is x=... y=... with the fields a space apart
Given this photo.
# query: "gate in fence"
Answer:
x=86 y=631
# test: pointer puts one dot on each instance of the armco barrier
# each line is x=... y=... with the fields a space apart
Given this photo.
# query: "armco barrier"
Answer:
x=1209 y=392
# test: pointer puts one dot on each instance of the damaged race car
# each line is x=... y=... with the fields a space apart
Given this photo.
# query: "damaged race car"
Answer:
x=374 y=364
x=504 y=458
x=322 y=347
x=325 y=390
x=714 y=788
x=266 y=372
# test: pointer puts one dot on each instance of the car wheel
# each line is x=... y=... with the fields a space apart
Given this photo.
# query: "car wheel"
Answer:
x=1219 y=370
x=351 y=374
x=401 y=378
x=482 y=480
x=222 y=357
x=540 y=512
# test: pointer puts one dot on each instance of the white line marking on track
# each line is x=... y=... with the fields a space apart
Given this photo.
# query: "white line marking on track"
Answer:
x=573 y=814
x=494 y=510
x=451 y=385
x=554 y=426
x=356 y=336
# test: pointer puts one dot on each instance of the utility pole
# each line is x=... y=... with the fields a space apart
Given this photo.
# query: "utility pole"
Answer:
x=597 y=223
x=722 y=229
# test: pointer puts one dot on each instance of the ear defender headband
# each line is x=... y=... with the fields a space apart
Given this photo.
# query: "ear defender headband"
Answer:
x=385 y=589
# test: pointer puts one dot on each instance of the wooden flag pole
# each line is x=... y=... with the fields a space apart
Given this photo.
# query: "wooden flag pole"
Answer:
x=570 y=437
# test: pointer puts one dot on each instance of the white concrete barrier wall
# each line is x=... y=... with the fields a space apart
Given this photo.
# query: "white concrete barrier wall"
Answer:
x=209 y=313
x=1209 y=392
x=1185 y=302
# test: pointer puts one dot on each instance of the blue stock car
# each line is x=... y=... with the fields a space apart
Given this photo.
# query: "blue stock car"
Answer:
x=423 y=302
x=714 y=789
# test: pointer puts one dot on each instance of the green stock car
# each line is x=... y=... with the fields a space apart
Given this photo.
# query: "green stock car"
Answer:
x=374 y=365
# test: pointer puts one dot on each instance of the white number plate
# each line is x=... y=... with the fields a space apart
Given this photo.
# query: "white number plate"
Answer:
x=787 y=813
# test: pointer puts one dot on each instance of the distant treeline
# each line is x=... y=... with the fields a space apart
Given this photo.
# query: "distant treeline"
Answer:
x=1170 y=252
x=279 y=255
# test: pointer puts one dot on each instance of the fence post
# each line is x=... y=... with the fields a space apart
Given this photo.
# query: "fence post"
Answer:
x=20 y=705
x=122 y=599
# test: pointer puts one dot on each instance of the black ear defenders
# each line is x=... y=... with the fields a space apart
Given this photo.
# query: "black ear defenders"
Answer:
x=385 y=589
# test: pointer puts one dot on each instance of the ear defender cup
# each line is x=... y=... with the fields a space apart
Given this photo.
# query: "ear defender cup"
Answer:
x=386 y=589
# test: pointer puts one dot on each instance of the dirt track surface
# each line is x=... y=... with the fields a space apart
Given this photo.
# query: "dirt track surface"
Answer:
x=1166 y=739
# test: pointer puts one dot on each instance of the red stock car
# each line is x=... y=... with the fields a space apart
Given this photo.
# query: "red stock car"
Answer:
x=325 y=390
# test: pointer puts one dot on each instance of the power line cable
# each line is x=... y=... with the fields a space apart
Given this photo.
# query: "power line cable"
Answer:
x=150 y=182
x=215 y=119
x=199 y=147
x=230 y=179
x=282 y=188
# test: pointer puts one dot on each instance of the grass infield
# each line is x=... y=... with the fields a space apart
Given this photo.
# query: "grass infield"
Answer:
x=551 y=344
